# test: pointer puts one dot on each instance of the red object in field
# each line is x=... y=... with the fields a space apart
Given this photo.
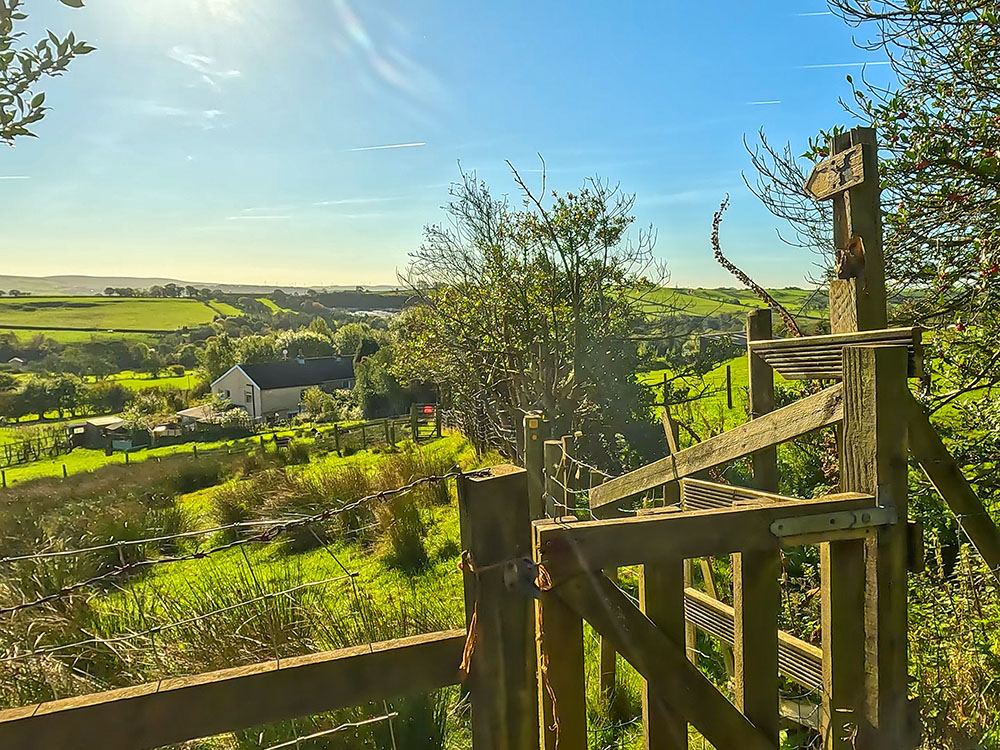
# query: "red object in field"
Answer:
x=428 y=410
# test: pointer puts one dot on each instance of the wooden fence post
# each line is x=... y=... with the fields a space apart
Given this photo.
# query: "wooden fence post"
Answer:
x=552 y=456
x=608 y=659
x=385 y=429
x=562 y=701
x=336 y=438
x=364 y=437
x=534 y=456
x=414 y=424
x=875 y=461
x=437 y=419
x=496 y=527
x=570 y=470
x=756 y=592
x=661 y=598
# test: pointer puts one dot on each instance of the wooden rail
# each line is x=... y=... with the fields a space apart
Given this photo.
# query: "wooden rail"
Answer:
x=185 y=708
x=800 y=418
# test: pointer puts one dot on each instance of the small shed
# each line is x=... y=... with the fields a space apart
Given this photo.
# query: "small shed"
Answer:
x=95 y=432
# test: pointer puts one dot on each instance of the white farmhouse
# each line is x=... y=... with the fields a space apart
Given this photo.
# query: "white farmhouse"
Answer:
x=269 y=390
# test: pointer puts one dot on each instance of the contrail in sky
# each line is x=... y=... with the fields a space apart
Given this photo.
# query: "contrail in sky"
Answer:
x=846 y=65
x=389 y=145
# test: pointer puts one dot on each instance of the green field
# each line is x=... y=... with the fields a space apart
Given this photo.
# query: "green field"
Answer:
x=271 y=305
x=79 y=337
x=107 y=313
x=699 y=301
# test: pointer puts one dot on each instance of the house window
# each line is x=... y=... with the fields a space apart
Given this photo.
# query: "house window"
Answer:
x=224 y=392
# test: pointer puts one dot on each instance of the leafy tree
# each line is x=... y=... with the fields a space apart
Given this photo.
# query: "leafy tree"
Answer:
x=218 y=356
x=348 y=337
x=305 y=342
x=22 y=66
x=320 y=327
x=533 y=308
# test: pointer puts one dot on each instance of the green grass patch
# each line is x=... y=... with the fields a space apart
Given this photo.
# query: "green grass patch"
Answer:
x=105 y=313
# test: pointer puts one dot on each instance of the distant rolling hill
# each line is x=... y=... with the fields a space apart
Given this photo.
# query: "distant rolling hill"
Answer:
x=90 y=285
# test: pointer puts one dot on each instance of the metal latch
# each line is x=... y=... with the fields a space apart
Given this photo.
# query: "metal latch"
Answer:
x=837 y=521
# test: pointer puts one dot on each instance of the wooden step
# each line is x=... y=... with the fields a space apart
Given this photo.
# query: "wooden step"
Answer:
x=821 y=357
x=798 y=660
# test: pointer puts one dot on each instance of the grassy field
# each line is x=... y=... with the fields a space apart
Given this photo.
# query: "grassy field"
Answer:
x=271 y=305
x=700 y=301
x=79 y=337
x=107 y=313
x=138 y=381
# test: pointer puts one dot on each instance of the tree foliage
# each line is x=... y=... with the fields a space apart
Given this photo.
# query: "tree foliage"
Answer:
x=532 y=308
x=23 y=66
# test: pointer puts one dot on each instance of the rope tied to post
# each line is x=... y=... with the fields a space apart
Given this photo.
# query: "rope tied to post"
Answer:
x=467 y=565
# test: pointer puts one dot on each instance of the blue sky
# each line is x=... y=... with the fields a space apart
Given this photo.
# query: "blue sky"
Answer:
x=232 y=140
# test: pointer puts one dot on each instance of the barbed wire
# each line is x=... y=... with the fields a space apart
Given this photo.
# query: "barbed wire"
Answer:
x=341 y=728
x=170 y=625
x=266 y=536
x=123 y=543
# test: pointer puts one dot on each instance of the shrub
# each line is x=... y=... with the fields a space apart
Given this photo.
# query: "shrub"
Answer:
x=402 y=527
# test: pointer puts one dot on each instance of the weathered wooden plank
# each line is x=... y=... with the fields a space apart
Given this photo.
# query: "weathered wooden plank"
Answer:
x=185 y=708
x=617 y=542
x=811 y=413
x=837 y=173
x=946 y=476
x=661 y=660
x=502 y=677
x=562 y=704
x=661 y=599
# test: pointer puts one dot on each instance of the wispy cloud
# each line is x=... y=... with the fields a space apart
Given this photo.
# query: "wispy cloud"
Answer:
x=844 y=65
x=14 y=177
x=205 y=118
x=226 y=9
x=353 y=201
x=210 y=74
x=259 y=217
x=389 y=145
x=762 y=103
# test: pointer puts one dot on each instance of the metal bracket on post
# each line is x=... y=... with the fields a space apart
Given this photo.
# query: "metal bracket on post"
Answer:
x=520 y=576
x=844 y=520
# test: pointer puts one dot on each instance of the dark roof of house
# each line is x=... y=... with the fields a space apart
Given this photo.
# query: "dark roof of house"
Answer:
x=291 y=373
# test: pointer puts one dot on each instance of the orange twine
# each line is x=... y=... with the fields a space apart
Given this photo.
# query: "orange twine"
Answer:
x=466 y=565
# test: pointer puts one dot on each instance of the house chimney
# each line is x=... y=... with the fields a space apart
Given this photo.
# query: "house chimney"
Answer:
x=300 y=359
